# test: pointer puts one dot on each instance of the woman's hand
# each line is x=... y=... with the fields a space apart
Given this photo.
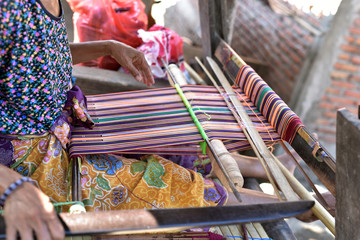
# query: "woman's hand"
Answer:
x=133 y=60
x=128 y=57
x=27 y=210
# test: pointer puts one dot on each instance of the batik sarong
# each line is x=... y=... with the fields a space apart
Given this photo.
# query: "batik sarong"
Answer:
x=112 y=182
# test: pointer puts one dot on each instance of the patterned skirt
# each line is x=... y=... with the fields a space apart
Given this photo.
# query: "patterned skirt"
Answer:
x=112 y=182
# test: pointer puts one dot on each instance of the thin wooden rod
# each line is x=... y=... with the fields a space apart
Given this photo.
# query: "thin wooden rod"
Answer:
x=319 y=211
x=307 y=178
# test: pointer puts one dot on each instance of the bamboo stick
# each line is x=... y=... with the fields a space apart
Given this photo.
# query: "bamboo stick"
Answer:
x=307 y=178
x=180 y=78
x=259 y=228
x=235 y=231
x=194 y=74
x=216 y=230
x=252 y=231
x=323 y=215
x=226 y=232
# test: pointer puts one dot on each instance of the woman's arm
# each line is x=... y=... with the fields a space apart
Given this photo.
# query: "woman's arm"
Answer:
x=27 y=210
x=128 y=57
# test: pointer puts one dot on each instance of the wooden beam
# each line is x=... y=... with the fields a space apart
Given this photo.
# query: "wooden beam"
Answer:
x=347 y=177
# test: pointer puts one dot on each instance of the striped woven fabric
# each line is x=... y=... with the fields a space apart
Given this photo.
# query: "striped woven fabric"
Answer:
x=156 y=121
x=275 y=110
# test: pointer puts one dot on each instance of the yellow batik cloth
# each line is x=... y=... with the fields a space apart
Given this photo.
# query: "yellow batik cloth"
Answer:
x=112 y=182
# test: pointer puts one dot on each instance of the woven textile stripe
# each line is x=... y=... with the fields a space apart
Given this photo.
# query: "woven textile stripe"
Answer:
x=156 y=121
x=272 y=107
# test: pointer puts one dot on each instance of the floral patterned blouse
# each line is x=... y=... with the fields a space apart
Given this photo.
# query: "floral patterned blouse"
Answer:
x=35 y=67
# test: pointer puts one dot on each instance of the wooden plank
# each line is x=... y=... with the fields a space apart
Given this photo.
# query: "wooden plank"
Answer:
x=347 y=177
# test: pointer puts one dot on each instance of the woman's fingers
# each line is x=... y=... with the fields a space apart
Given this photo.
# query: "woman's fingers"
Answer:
x=29 y=212
x=40 y=229
x=56 y=229
x=25 y=232
x=10 y=231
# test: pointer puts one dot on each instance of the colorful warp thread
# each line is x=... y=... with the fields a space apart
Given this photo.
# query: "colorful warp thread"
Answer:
x=156 y=122
x=272 y=107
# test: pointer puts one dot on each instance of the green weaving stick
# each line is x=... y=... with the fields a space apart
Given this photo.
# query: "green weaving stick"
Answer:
x=193 y=116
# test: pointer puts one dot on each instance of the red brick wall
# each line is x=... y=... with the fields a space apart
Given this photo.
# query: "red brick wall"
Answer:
x=344 y=90
x=274 y=39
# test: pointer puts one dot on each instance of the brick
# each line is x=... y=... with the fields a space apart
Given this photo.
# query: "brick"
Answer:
x=277 y=62
x=355 y=60
x=353 y=94
x=355 y=78
x=355 y=30
x=350 y=39
x=309 y=39
x=351 y=49
x=284 y=59
x=295 y=58
x=346 y=67
x=299 y=30
x=357 y=22
x=334 y=91
x=323 y=122
x=339 y=75
x=283 y=47
x=282 y=35
x=342 y=84
x=328 y=130
x=295 y=69
x=358 y=41
x=344 y=56
x=342 y=102
x=301 y=53
x=291 y=44
x=326 y=105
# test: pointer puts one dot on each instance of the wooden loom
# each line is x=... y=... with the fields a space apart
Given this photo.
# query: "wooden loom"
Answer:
x=228 y=49
x=308 y=148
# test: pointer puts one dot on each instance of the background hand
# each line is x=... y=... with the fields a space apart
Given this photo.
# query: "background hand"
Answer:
x=133 y=60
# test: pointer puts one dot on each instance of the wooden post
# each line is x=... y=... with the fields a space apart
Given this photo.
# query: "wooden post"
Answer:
x=347 y=175
x=211 y=25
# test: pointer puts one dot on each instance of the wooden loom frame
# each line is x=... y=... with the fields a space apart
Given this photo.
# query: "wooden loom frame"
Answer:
x=213 y=45
x=213 y=29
